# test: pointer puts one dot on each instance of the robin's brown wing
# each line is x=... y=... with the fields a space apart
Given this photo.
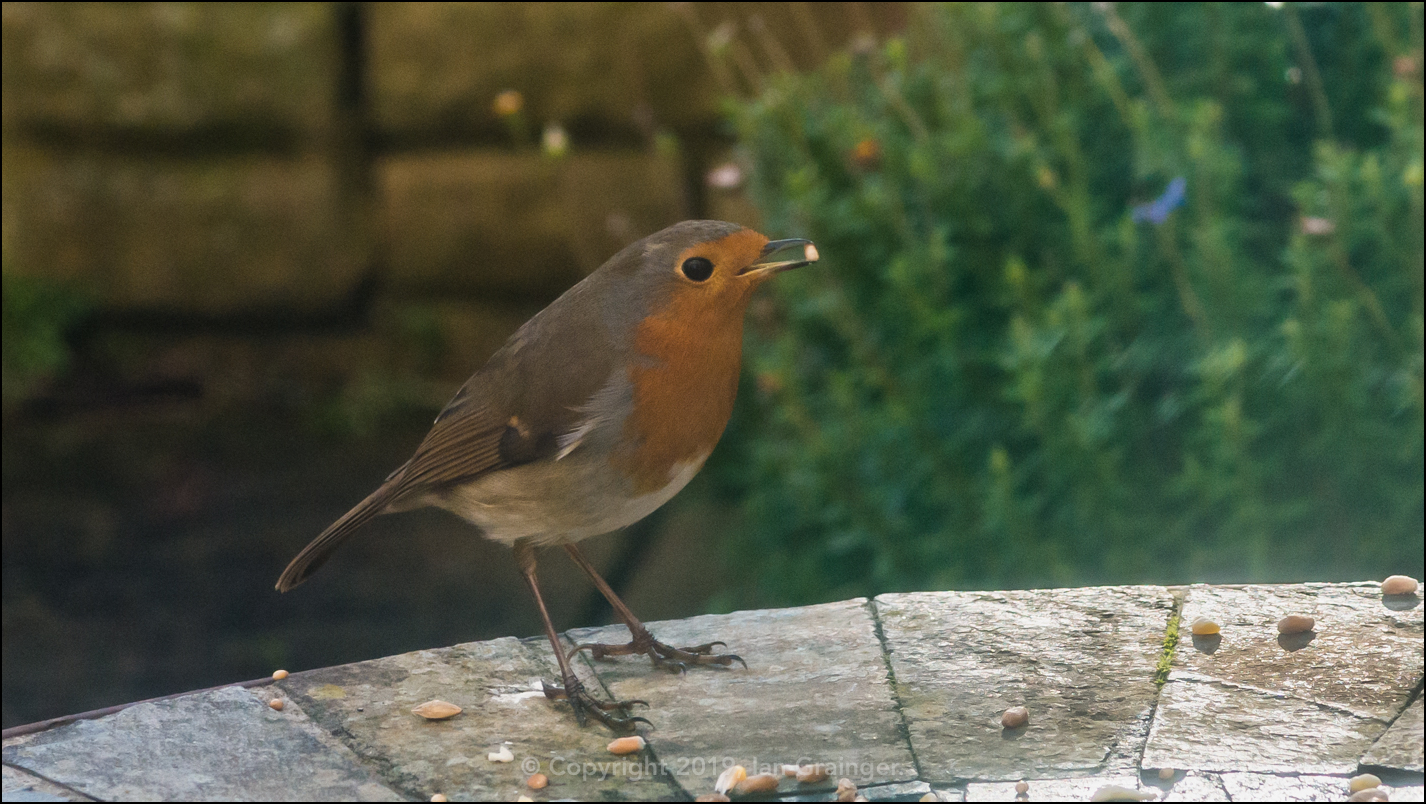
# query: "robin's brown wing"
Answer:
x=513 y=411
x=521 y=406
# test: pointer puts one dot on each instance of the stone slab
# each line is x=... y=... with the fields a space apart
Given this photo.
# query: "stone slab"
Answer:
x=224 y=744
x=900 y=791
x=1363 y=655
x=1190 y=786
x=496 y=683
x=1080 y=789
x=1250 y=699
x=815 y=690
x=22 y=786
x=1081 y=660
x=1268 y=726
x=904 y=791
x=1271 y=787
x=1414 y=792
x=1204 y=724
x=1400 y=748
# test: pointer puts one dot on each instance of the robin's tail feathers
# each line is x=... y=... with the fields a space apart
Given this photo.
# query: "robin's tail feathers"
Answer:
x=317 y=553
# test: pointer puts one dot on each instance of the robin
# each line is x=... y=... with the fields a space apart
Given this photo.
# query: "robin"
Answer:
x=596 y=412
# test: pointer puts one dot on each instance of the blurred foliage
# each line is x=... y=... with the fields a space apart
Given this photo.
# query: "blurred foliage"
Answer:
x=1031 y=357
x=36 y=314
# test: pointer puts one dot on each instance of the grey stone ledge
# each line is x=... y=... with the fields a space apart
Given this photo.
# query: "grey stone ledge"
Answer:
x=1400 y=747
x=223 y=744
x=1252 y=700
x=24 y=786
x=902 y=694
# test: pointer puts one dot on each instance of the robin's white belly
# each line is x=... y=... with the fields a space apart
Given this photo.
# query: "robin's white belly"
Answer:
x=557 y=502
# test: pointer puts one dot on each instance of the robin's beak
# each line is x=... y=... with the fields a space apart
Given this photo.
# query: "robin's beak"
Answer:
x=782 y=255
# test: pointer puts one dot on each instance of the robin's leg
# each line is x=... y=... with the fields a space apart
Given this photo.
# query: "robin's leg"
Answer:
x=573 y=689
x=665 y=656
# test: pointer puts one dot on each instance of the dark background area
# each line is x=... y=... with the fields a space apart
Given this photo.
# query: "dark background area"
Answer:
x=250 y=251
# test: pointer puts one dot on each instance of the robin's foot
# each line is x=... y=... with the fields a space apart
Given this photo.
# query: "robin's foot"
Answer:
x=665 y=657
x=574 y=692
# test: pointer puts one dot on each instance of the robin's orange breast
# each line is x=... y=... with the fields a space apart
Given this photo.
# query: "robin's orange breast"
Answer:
x=685 y=385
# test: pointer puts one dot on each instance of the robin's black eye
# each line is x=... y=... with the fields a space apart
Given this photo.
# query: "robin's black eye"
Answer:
x=697 y=268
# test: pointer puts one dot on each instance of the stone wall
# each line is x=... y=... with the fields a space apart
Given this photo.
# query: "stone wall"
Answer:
x=217 y=159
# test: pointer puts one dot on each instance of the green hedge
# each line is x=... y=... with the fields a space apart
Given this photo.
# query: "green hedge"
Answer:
x=1021 y=363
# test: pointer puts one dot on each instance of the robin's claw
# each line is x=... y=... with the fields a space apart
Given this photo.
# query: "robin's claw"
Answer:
x=665 y=657
x=727 y=660
x=615 y=706
x=706 y=647
x=595 y=650
x=586 y=704
x=671 y=665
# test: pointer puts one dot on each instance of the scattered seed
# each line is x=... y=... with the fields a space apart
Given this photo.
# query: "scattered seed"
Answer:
x=1022 y=787
x=761 y=783
x=729 y=777
x=1366 y=781
x=1166 y=773
x=929 y=797
x=503 y=755
x=537 y=781
x=1202 y=626
x=812 y=774
x=1369 y=794
x=278 y=675
x=712 y=797
x=1015 y=717
x=627 y=745
x=1114 y=792
x=1399 y=585
x=439 y=797
x=276 y=704
x=437 y=710
x=846 y=790
x=1295 y=624
x=523 y=797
